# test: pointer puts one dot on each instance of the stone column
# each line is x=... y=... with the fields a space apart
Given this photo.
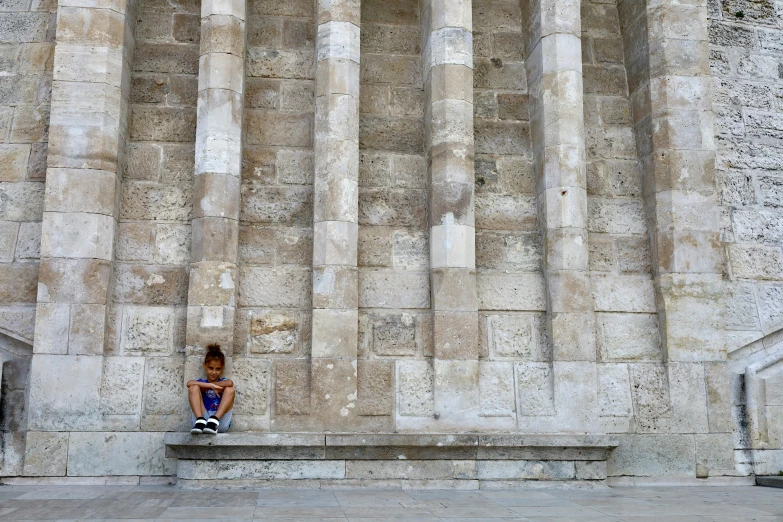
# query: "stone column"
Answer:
x=87 y=135
x=447 y=56
x=218 y=168
x=335 y=222
x=554 y=74
x=667 y=57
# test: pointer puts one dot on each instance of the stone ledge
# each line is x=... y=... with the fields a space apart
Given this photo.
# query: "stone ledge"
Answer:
x=387 y=446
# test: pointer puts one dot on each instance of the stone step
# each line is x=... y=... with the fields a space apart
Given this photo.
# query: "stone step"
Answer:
x=770 y=481
x=451 y=460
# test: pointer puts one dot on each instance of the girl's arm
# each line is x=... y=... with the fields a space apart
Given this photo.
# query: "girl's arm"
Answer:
x=228 y=383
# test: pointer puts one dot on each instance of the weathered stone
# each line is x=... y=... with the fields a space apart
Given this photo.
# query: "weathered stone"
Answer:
x=292 y=387
x=375 y=388
x=122 y=384
x=93 y=454
x=415 y=380
x=496 y=389
x=535 y=388
x=271 y=332
x=629 y=337
x=393 y=334
x=251 y=380
x=614 y=390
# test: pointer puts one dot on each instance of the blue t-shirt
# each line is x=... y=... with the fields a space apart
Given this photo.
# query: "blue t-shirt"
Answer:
x=210 y=398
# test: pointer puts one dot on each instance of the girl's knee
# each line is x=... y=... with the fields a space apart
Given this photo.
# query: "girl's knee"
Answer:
x=229 y=391
x=193 y=388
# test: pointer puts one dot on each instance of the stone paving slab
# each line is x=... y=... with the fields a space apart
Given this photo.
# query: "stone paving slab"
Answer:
x=161 y=503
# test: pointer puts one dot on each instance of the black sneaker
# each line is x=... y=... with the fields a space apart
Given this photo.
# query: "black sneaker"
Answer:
x=212 y=425
x=199 y=426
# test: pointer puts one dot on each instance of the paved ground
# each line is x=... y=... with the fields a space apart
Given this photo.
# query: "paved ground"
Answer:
x=167 y=503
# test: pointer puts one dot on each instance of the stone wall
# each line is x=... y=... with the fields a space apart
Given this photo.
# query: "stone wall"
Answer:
x=746 y=56
x=600 y=296
x=27 y=34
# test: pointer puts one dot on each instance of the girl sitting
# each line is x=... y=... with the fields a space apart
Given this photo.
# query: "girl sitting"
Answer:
x=212 y=397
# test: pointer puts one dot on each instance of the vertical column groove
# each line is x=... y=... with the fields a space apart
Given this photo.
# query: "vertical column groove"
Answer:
x=447 y=55
x=218 y=169
x=88 y=128
x=554 y=67
x=335 y=213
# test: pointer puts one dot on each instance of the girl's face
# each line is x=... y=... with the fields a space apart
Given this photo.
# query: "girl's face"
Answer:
x=213 y=369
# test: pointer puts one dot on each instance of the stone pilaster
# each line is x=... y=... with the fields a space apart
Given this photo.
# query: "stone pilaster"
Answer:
x=87 y=135
x=554 y=73
x=667 y=57
x=447 y=56
x=335 y=222
x=213 y=272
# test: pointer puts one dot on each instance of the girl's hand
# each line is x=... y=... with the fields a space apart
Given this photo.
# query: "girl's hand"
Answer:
x=218 y=389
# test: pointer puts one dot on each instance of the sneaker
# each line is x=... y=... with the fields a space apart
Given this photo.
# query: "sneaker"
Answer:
x=212 y=425
x=199 y=426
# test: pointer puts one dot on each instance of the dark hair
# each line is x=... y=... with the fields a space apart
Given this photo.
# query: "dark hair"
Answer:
x=214 y=354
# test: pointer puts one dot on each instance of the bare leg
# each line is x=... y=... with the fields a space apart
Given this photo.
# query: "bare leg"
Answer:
x=226 y=402
x=196 y=402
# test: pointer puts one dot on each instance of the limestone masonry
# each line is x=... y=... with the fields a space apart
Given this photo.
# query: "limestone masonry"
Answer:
x=444 y=243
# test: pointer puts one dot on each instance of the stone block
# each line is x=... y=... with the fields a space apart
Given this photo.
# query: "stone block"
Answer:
x=455 y=335
x=415 y=382
x=650 y=392
x=333 y=391
x=535 y=388
x=375 y=388
x=454 y=289
x=505 y=212
x=122 y=384
x=294 y=64
x=8 y=235
x=653 y=456
x=13 y=159
x=87 y=332
x=335 y=333
x=410 y=250
x=66 y=281
x=591 y=470
x=515 y=292
x=515 y=336
x=166 y=58
x=51 y=328
x=393 y=289
x=755 y=262
x=222 y=34
x=262 y=469
x=526 y=469
x=629 y=337
x=716 y=378
x=714 y=455
x=273 y=332
x=24 y=27
x=151 y=202
x=165 y=400
x=172 y=244
x=625 y=293
x=252 y=380
x=614 y=390
x=75 y=190
x=77 y=235
x=21 y=201
x=282 y=287
x=92 y=454
x=162 y=124
x=393 y=334
x=374 y=246
x=292 y=386
x=135 y=241
x=393 y=207
x=336 y=243
x=335 y=287
x=573 y=336
x=279 y=205
x=496 y=389
x=62 y=404
x=46 y=454
x=147 y=330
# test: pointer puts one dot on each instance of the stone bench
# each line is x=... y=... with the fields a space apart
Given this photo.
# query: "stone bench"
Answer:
x=388 y=460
